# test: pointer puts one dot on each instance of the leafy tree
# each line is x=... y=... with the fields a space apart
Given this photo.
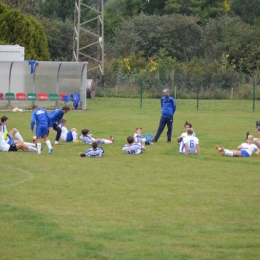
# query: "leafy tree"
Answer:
x=248 y=10
x=204 y=9
x=16 y=28
x=59 y=35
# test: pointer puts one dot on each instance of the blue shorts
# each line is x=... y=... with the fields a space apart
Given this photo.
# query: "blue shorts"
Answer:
x=41 y=130
x=69 y=137
x=10 y=140
x=244 y=153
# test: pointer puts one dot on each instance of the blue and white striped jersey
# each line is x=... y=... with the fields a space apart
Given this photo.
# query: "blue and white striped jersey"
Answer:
x=87 y=139
x=94 y=153
x=135 y=148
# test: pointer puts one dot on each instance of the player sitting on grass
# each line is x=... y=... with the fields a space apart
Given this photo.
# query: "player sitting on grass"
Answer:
x=94 y=152
x=68 y=136
x=191 y=143
x=9 y=136
x=139 y=138
x=5 y=147
x=180 y=138
x=243 y=150
x=88 y=139
x=133 y=148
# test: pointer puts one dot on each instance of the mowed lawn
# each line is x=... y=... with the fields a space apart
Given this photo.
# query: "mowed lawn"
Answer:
x=158 y=205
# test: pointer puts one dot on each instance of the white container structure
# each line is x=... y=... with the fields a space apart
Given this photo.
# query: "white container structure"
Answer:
x=11 y=53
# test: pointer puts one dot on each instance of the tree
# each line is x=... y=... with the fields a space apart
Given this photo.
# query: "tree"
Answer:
x=204 y=9
x=248 y=10
x=16 y=28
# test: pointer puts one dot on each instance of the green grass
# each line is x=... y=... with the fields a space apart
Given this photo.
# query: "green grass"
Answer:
x=158 y=205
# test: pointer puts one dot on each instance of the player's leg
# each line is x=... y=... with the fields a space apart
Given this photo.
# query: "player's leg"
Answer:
x=104 y=141
x=58 y=130
x=169 y=126
x=15 y=133
x=161 y=126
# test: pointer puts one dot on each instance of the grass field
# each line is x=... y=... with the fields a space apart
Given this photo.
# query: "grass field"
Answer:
x=158 y=205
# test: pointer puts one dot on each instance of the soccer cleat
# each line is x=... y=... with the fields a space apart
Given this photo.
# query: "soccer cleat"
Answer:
x=33 y=140
x=111 y=138
x=247 y=134
x=168 y=141
x=154 y=141
x=50 y=151
x=221 y=150
x=76 y=142
x=56 y=144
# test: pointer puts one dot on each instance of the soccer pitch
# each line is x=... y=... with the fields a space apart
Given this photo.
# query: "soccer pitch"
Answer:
x=157 y=205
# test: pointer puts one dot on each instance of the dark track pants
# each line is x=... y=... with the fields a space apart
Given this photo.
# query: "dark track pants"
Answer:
x=163 y=122
x=58 y=130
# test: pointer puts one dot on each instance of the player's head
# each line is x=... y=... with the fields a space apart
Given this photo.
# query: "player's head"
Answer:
x=250 y=139
x=187 y=125
x=63 y=121
x=84 y=131
x=166 y=92
x=4 y=119
x=130 y=139
x=258 y=130
x=138 y=130
x=95 y=145
x=65 y=109
x=190 y=131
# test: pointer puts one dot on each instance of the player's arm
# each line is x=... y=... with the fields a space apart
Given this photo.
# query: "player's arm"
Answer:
x=32 y=122
x=186 y=148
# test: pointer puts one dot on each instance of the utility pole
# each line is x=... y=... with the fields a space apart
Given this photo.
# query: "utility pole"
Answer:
x=88 y=35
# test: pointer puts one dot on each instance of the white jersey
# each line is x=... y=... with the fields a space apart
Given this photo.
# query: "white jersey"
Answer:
x=139 y=138
x=135 y=148
x=250 y=148
x=182 y=146
x=191 y=142
x=64 y=132
x=94 y=153
x=87 y=139
x=4 y=146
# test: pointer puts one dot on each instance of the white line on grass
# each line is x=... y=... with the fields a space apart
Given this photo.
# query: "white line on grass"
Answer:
x=30 y=176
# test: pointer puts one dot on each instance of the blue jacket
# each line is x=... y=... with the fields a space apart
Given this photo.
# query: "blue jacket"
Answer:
x=56 y=116
x=168 y=106
x=41 y=117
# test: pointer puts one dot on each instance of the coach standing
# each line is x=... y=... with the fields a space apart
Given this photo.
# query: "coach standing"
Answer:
x=168 y=106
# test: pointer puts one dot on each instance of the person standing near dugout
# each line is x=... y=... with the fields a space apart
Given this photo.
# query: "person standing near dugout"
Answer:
x=168 y=106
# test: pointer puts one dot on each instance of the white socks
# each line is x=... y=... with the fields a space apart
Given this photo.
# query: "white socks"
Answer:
x=107 y=141
x=75 y=136
x=228 y=152
x=39 y=148
x=18 y=136
x=48 y=143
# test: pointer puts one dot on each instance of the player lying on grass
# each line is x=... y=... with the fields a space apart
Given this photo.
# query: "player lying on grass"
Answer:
x=94 y=152
x=243 y=150
x=68 y=135
x=5 y=147
x=133 y=148
x=88 y=139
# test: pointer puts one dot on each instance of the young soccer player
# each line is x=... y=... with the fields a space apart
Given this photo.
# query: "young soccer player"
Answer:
x=56 y=116
x=94 y=152
x=88 y=139
x=180 y=138
x=68 y=136
x=243 y=150
x=43 y=125
x=9 y=136
x=191 y=143
x=5 y=147
x=133 y=148
x=139 y=138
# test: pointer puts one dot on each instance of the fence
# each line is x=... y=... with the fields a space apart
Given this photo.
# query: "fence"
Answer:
x=35 y=77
